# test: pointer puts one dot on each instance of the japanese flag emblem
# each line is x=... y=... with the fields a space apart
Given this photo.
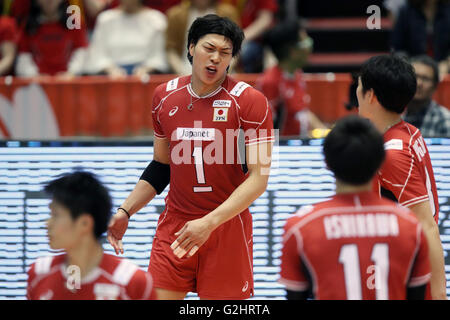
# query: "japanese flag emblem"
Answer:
x=220 y=114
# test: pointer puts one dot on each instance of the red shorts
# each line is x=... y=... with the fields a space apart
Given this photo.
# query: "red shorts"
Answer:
x=221 y=269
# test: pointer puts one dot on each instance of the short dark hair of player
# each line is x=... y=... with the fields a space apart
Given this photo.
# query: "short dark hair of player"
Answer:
x=282 y=37
x=82 y=193
x=392 y=79
x=428 y=61
x=354 y=150
x=212 y=23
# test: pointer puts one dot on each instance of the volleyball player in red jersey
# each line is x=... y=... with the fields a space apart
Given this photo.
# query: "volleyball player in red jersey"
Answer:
x=80 y=210
x=203 y=242
x=385 y=86
x=355 y=245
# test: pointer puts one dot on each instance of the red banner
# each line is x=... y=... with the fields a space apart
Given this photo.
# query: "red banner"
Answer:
x=49 y=108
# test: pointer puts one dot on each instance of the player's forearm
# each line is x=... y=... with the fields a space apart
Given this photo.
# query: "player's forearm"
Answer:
x=142 y=193
x=242 y=197
x=438 y=281
x=423 y=212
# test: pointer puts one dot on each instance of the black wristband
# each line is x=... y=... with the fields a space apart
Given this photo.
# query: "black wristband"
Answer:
x=158 y=175
x=125 y=212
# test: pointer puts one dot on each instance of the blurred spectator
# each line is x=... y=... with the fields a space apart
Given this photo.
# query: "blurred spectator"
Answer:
x=423 y=27
x=129 y=39
x=8 y=44
x=179 y=20
x=161 y=5
x=91 y=9
x=283 y=84
x=47 y=46
x=422 y=112
x=257 y=16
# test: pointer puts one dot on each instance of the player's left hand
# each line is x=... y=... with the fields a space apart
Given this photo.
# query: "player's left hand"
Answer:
x=190 y=238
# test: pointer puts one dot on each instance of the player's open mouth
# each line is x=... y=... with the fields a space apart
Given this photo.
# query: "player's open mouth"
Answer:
x=211 y=70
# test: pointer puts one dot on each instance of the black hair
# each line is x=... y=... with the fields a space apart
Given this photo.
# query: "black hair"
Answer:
x=33 y=23
x=354 y=150
x=392 y=79
x=82 y=193
x=428 y=61
x=282 y=37
x=212 y=23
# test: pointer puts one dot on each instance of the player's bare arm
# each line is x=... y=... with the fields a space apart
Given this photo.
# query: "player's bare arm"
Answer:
x=423 y=213
x=142 y=194
x=195 y=233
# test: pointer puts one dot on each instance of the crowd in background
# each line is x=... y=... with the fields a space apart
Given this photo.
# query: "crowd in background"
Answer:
x=119 y=38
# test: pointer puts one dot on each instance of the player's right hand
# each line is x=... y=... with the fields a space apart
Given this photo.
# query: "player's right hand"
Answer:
x=116 y=229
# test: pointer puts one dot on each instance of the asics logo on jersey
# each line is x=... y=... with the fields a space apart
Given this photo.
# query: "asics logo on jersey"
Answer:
x=245 y=286
x=173 y=111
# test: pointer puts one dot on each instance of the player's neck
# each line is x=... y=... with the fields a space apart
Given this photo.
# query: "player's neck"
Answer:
x=87 y=255
x=345 y=188
x=201 y=89
x=385 y=120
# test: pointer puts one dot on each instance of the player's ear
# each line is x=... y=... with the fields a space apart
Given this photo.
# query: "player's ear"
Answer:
x=371 y=96
x=191 y=49
x=85 y=223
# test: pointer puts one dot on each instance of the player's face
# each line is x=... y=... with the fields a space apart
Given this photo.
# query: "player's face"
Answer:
x=211 y=56
x=60 y=227
x=425 y=84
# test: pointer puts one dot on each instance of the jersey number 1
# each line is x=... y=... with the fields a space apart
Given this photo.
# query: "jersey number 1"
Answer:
x=350 y=259
x=200 y=170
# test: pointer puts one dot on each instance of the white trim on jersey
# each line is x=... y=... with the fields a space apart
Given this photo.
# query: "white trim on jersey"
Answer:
x=43 y=265
x=309 y=266
x=209 y=95
x=159 y=106
x=240 y=118
x=250 y=264
x=260 y=140
x=419 y=281
x=392 y=184
x=412 y=162
x=43 y=276
x=124 y=272
x=415 y=201
x=148 y=286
